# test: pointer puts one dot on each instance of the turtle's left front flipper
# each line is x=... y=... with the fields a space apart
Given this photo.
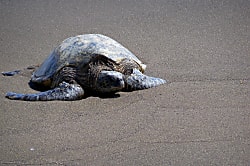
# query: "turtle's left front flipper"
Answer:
x=64 y=91
x=139 y=81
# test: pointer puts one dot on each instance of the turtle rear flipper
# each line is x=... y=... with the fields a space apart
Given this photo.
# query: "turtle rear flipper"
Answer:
x=25 y=72
x=10 y=73
x=139 y=81
x=64 y=91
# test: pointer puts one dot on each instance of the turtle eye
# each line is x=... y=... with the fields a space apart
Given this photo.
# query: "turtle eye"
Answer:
x=112 y=78
x=128 y=71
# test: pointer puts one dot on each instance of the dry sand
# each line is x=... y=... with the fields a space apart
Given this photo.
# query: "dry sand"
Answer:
x=200 y=118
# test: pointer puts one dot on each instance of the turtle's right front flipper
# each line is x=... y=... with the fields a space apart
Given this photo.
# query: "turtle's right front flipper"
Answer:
x=64 y=91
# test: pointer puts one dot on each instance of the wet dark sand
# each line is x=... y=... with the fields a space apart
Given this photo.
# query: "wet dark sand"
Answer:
x=200 y=118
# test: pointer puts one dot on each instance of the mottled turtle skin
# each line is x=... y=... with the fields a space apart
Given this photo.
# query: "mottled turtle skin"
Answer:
x=90 y=62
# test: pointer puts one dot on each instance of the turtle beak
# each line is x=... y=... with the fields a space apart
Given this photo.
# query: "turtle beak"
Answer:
x=110 y=81
x=119 y=83
x=122 y=83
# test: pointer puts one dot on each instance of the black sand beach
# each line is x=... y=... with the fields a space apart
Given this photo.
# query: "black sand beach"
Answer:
x=201 y=117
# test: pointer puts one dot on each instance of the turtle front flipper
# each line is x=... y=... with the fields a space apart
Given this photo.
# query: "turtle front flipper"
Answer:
x=64 y=91
x=139 y=81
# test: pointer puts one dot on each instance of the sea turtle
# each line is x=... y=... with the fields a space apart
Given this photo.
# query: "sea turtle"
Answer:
x=92 y=63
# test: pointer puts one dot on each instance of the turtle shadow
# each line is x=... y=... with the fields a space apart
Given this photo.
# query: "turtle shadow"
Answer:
x=101 y=95
x=88 y=94
x=37 y=87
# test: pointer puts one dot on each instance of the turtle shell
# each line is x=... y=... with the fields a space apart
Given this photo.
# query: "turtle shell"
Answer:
x=79 y=50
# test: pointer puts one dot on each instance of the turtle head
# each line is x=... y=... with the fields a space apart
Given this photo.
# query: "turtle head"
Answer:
x=110 y=82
